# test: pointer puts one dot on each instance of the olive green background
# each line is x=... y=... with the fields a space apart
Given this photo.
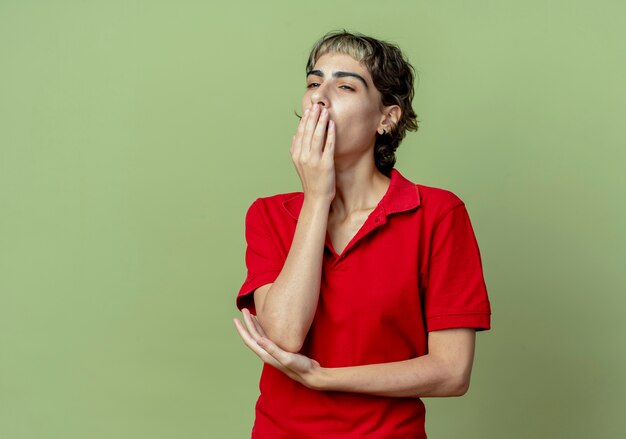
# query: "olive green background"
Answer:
x=135 y=134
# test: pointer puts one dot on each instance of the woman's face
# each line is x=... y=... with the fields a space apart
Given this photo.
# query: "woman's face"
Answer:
x=342 y=85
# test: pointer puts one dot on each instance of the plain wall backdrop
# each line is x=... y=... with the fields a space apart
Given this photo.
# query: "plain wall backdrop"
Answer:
x=135 y=134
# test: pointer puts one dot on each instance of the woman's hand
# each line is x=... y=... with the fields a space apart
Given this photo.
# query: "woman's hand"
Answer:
x=296 y=366
x=312 y=151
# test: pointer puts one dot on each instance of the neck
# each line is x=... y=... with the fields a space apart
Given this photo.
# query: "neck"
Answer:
x=358 y=187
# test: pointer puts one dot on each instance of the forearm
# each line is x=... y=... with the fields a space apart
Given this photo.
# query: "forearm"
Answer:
x=289 y=306
x=444 y=371
x=424 y=376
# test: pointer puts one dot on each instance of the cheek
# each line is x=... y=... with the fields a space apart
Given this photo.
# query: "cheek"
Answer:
x=355 y=117
x=306 y=100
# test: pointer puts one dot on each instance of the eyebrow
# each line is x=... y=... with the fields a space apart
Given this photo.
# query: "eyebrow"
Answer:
x=339 y=75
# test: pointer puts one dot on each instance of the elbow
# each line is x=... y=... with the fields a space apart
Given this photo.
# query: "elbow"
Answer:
x=459 y=385
x=446 y=385
x=285 y=338
x=285 y=334
x=288 y=344
x=458 y=375
x=450 y=382
x=460 y=389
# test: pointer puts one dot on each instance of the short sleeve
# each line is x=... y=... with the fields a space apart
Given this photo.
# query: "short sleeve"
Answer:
x=456 y=295
x=263 y=261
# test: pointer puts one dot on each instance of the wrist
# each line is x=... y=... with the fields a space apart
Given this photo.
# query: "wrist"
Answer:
x=317 y=202
x=321 y=379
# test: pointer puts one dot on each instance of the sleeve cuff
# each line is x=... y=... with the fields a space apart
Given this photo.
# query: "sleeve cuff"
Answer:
x=245 y=298
x=478 y=321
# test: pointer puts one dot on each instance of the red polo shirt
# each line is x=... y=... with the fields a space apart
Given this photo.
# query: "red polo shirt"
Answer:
x=413 y=267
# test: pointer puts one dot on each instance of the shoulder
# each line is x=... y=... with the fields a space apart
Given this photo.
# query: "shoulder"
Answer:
x=277 y=199
x=430 y=195
x=429 y=198
x=433 y=203
x=436 y=201
x=275 y=205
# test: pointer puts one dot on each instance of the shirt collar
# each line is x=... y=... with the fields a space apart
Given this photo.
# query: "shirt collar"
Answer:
x=401 y=195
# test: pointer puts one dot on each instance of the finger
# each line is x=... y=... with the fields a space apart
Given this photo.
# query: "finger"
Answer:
x=295 y=366
x=329 y=146
x=258 y=335
x=310 y=128
x=258 y=326
x=283 y=357
x=263 y=354
x=254 y=346
x=247 y=338
x=247 y=318
x=317 y=142
x=297 y=143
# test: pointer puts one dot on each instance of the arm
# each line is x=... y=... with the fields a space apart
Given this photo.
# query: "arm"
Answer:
x=286 y=307
x=444 y=371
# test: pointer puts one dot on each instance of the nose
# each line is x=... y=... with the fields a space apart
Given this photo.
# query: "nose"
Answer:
x=319 y=97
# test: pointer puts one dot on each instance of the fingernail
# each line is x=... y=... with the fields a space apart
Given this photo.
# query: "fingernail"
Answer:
x=315 y=107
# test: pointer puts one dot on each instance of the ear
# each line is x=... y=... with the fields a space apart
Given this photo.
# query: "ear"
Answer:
x=389 y=119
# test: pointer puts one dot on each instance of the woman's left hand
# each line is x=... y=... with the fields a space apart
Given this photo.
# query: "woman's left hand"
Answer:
x=296 y=366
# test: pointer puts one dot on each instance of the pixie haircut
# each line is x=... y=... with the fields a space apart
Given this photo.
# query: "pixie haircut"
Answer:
x=393 y=78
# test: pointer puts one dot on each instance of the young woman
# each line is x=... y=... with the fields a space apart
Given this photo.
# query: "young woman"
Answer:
x=365 y=290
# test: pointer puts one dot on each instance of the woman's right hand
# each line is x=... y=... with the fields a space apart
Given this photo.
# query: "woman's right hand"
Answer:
x=312 y=151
